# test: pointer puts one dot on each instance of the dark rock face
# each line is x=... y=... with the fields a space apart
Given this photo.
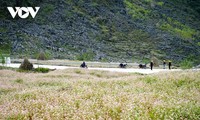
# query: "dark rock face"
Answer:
x=112 y=30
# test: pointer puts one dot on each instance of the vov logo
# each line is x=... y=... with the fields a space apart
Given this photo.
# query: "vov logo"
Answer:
x=23 y=12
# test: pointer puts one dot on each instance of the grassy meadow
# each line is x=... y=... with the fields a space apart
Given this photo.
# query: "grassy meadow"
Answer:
x=80 y=94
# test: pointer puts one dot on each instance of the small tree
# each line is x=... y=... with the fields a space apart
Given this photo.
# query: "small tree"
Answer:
x=42 y=56
x=155 y=61
x=26 y=65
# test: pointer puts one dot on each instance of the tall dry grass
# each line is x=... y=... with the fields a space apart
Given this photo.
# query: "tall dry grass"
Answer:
x=84 y=94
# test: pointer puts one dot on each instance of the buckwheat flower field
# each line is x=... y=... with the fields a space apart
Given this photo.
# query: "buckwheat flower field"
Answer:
x=81 y=94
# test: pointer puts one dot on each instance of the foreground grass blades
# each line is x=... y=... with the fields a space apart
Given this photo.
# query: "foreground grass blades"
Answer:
x=84 y=94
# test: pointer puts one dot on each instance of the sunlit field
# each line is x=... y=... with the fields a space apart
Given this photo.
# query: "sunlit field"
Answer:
x=80 y=94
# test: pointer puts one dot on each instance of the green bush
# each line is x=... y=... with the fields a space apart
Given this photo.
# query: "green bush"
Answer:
x=86 y=56
x=26 y=65
x=42 y=70
x=186 y=64
x=136 y=11
x=145 y=61
x=160 y=3
x=198 y=43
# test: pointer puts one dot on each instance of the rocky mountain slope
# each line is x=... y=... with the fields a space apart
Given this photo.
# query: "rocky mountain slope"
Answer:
x=104 y=30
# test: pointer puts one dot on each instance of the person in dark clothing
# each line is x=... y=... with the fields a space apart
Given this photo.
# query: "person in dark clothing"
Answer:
x=170 y=64
x=151 y=65
x=164 y=64
x=121 y=65
x=143 y=66
x=83 y=65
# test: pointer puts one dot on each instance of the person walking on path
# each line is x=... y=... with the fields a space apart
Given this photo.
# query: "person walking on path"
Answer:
x=164 y=64
x=151 y=65
x=170 y=64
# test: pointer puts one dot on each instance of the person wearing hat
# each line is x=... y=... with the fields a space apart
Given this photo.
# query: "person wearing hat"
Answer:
x=164 y=64
x=170 y=64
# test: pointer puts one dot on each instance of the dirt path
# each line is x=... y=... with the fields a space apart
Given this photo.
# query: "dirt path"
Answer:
x=128 y=70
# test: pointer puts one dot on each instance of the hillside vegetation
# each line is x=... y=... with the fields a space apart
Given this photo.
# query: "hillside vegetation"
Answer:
x=105 y=30
x=83 y=94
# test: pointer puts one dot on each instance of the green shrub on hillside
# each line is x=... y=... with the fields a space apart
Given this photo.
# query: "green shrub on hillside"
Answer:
x=178 y=29
x=145 y=61
x=186 y=64
x=86 y=56
x=198 y=43
x=5 y=48
x=137 y=12
x=3 y=30
x=160 y=3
